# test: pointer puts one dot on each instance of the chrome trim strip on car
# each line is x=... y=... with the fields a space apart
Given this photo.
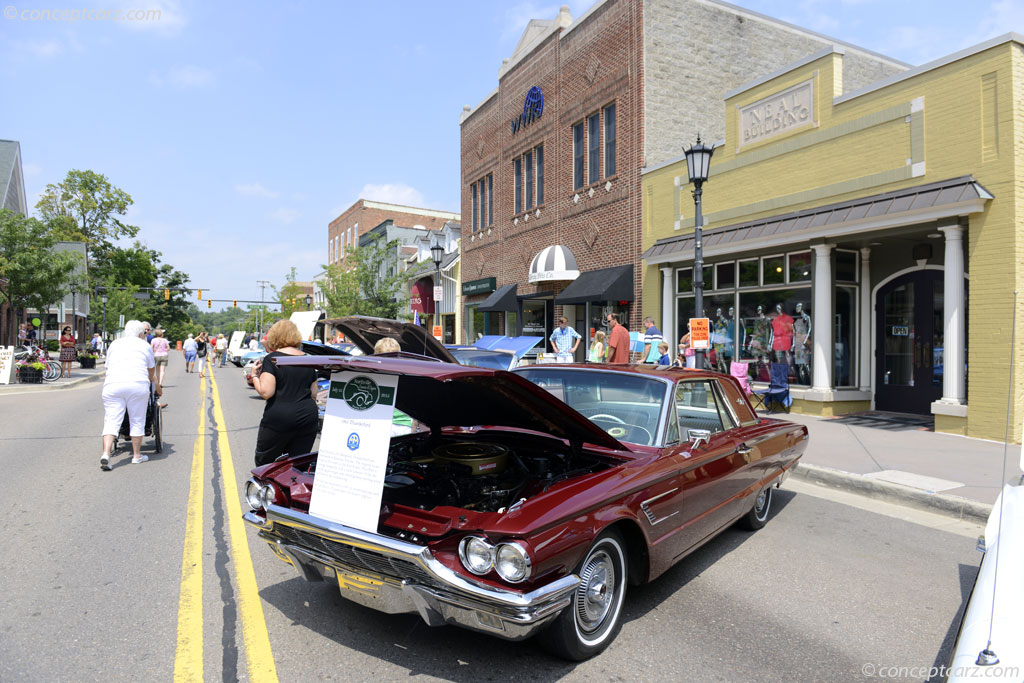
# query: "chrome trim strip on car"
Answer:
x=646 y=507
x=417 y=554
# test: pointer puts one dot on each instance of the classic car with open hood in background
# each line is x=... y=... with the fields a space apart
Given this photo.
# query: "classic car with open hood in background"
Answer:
x=526 y=502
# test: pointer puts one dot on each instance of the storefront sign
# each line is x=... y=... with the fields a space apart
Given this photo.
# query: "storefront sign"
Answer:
x=6 y=364
x=900 y=331
x=533 y=107
x=354 y=447
x=700 y=333
x=421 y=299
x=782 y=112
x=483 y=286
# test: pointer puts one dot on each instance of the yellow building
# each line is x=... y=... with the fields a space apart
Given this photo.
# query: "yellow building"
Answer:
x=870 y=241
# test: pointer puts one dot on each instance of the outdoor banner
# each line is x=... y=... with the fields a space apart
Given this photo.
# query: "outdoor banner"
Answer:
x=354 y=446
x=700 y=333
x=6 y=364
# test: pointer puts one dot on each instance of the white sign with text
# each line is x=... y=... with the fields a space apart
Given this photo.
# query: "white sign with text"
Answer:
x=354 y=445
x=6 y=364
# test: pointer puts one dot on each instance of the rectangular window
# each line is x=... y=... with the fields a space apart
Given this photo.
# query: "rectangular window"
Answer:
x=577 y=156
x=846 y=265
x=774 y=271
x=529 y=180
x=472 y=194
x=748 y=273
x=726 y=274
x=517 y=171
x=540 y=175
x=490 y=199
x=483 y=204
x=609 y=141
x=594 y=148
x=800 y=267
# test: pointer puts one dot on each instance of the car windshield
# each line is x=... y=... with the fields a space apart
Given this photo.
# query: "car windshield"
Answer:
x=628 y=407
x=481 y=358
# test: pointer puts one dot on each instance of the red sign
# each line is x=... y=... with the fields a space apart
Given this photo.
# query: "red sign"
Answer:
x=437 y=332
x=421 y=296
x=700 y=333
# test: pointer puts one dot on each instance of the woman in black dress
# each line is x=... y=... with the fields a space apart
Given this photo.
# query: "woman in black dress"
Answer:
x=290 y=417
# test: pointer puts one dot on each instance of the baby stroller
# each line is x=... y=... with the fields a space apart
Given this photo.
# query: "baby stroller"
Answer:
x=154 y=422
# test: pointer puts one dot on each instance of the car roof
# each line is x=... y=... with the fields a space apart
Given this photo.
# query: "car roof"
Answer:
x=663 y=371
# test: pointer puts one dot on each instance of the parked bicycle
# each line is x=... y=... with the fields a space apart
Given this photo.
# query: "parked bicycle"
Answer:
x=51 y=370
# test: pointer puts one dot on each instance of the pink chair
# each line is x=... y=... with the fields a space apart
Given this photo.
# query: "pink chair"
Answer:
x=739 y=370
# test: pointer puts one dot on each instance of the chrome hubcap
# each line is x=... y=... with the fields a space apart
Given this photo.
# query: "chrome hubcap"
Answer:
x=596 y=593
x=761 y=503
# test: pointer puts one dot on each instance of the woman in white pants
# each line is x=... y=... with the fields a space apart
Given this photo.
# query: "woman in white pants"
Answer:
x=130 y=369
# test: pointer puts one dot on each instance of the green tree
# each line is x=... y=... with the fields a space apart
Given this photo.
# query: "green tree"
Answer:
x=32 y=275
x=85 y=207
x=291 y=295
x=368 y=283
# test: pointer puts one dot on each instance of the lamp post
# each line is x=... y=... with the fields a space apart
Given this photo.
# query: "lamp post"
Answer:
x=104 y=318
x=309 y=302
x=74 y=321
x=437 y=253
x=698 y=159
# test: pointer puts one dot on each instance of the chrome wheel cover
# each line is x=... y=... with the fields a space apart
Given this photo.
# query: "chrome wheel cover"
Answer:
x=595 y=595
x=762 y=502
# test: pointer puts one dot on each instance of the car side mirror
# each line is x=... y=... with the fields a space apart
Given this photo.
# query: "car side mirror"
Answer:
x=698 y=436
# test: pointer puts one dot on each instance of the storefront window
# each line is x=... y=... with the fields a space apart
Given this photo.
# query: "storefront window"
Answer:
x=511 y=318
x=846 y=266
x=533 y=318
x=719 y=309
x=800 y=267
x=774 y=270
x=449 y=328
x=474 y=322
x=843 y=338
x=725 y=275
x=684 y=282
x=776 y=328
x=748 y=273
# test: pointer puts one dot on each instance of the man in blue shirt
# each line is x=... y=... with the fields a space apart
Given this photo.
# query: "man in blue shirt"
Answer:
x=564 y=340
x=652 y=337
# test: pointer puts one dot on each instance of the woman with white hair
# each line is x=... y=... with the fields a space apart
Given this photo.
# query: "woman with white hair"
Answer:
x=130 y=368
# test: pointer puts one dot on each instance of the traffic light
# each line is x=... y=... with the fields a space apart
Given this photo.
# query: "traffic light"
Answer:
x=234 y=304
x=199 y=294
x=167 y=294
x=209 y=303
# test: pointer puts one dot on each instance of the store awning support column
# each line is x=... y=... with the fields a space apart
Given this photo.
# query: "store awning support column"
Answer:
x=823 y=359
x=953 y=385
x=865 y=318
x=668 y=301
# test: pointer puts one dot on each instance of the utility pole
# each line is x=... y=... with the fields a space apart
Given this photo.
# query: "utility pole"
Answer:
x=263 y=285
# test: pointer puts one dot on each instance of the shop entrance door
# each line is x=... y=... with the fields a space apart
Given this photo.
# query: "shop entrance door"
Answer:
x=908 y=346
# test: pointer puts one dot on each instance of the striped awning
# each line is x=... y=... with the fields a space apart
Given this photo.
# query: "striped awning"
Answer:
x=953 y=197
x=554 y=263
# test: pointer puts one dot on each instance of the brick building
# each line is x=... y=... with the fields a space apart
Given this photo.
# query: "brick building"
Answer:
x=364 y=215
x=552 y=158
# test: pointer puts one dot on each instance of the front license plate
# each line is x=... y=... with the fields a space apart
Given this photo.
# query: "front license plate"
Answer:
x=365 y=584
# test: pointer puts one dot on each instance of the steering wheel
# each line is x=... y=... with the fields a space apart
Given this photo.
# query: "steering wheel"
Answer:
x=608 y=417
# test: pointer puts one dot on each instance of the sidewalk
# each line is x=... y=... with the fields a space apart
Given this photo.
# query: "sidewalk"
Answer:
x=78 y=378
x=898 y=458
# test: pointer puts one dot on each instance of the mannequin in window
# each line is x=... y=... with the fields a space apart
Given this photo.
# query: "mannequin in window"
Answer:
x=758 y=343
x=802 y=344
x=730 y=333
x=782 y=335
x=721 y=335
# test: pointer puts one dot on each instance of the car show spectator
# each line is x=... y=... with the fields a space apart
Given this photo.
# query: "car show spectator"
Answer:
x=161 y=351
x=618 y=341
x=564 y=340
x=188 y=349
x=597 y=348
x=652 y=338
x=290 y=417
x=130 y=369
x=67 y=351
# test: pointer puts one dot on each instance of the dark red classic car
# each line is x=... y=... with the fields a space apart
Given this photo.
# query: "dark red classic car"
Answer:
x=525 y=502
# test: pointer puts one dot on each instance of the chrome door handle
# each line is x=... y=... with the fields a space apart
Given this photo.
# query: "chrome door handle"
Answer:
x=745 y=452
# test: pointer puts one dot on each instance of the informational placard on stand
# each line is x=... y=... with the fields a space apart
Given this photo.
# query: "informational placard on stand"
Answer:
x=6 y=364
x=354 y=444
x=700 y=333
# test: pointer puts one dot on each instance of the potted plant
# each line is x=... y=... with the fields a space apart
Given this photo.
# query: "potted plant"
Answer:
x=87 y=360
x=30 y=371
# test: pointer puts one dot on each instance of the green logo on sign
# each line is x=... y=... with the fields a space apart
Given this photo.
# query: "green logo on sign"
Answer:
x=362 y=393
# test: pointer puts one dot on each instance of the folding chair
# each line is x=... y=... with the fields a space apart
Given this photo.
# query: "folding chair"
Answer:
x=778 y=389
x=739 y=370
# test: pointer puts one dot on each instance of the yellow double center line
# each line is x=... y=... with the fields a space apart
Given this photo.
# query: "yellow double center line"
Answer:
x=188 y=660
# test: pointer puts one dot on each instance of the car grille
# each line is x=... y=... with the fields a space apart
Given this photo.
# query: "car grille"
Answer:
x=358 y=558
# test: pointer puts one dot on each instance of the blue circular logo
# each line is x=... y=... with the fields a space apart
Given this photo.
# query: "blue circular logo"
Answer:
x=353 y=441
x=534 y=103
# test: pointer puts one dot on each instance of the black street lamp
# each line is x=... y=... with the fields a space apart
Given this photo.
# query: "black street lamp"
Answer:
x=698 y=159
x=104 y=318
x=309 y=301
x=437 y=253
x=74 y=316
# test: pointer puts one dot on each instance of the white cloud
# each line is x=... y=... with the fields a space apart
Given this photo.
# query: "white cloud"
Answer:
x=254 y=190
x=285 y=215
x=396 y=193
x=44 y=49
x=190 y=76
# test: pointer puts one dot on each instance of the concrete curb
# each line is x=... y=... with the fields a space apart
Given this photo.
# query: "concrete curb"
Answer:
x=940 y=503
x=13 y=389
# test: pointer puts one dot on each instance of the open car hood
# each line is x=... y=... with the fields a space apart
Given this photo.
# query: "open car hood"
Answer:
x=447 y=395
x=364 y=332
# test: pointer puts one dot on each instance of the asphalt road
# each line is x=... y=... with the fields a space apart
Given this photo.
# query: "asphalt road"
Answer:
x=105 y=579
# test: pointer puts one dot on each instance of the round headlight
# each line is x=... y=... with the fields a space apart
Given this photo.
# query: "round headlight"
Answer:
x=268 y=495
x=512 y=562
x=477 y=555
x=252 y=495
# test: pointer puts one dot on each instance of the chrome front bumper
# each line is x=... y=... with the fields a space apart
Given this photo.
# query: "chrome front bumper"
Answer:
x=394 y=576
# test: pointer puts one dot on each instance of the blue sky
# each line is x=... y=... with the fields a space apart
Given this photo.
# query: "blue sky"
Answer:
x=242 y=129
